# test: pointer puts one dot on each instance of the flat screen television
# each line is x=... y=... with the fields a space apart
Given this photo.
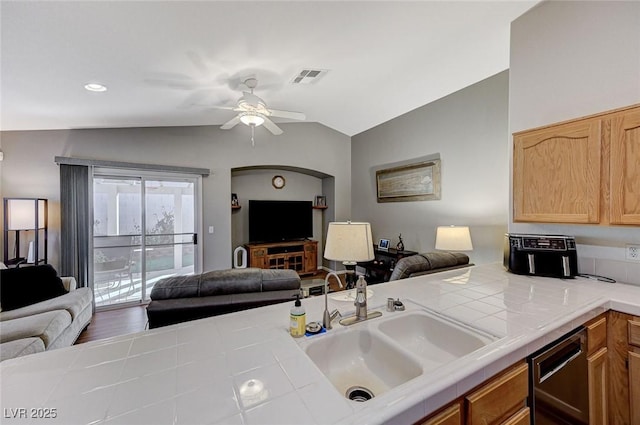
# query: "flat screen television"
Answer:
x=277 y=221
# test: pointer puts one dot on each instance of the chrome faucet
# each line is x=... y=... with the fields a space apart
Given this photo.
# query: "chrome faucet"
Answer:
x=361 y=298
x=326 y=317
x=361 y=305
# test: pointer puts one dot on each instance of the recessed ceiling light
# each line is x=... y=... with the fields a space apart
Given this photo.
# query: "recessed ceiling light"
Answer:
x=95 y=87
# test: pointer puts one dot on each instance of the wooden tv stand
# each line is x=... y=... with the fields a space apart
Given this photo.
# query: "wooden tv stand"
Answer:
x=301 y=256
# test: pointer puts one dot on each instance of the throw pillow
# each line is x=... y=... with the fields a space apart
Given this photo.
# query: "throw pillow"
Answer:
x=24 y=286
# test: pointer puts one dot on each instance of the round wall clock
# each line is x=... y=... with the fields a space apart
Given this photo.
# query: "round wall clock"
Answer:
x=278 y=182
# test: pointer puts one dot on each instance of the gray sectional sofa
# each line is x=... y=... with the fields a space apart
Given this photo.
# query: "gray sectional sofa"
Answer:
x=427 y=263
x=183 y=298
x=46 y=325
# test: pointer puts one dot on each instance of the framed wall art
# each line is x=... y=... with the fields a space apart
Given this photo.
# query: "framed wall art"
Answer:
x=413 y=182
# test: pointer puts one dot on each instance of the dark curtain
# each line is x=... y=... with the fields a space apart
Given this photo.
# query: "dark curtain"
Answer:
x=74 y=215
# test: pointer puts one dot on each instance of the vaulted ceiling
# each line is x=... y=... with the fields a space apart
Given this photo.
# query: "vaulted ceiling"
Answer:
x=171 y=63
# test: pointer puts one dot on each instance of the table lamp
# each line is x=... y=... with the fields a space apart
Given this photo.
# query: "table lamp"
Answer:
x=350 y=243
x=453 y=238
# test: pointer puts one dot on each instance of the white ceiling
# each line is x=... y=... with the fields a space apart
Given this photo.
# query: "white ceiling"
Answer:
x=167 y=63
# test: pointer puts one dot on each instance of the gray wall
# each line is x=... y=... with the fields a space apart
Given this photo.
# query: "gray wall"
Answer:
x=28 y=169
x=468 y=130
x=571 y=59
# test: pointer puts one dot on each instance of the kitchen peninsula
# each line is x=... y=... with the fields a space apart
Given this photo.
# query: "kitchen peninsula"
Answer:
x=245 y=368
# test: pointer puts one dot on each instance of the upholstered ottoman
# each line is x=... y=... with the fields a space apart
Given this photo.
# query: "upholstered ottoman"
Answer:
x=183 y=298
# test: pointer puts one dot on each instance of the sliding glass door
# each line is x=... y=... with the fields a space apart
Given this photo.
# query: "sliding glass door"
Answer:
x=144 y=229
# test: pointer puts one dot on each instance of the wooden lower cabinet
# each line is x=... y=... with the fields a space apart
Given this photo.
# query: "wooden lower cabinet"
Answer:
x=624 y=368
x=597 y=378
x=633 y=326
x=452 y=415
x=523 y=417
x=499 y=401
x=596 y=334
x=634 y=387
x=597 y=370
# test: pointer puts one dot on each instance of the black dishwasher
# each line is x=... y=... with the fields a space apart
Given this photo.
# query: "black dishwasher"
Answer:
x=559 y=382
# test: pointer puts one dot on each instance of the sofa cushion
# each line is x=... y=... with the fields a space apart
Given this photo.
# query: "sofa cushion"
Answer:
x=232 y=281
x=28 y=285
x=20 y=347
x=409 y=265
x=277 y=280
x=46 y=326
x=73 y=302
x=426 y=262
x=439 y=260
x=225 y=282
x=176 y=287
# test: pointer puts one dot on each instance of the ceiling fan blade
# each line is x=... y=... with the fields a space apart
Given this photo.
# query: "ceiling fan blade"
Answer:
x=226 y=108
x=287 y=114
x=269 y=125
x=231 y=123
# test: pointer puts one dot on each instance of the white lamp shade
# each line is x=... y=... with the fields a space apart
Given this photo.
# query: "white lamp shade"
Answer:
x=349 y=242
x=22 y=214
x=453 y=238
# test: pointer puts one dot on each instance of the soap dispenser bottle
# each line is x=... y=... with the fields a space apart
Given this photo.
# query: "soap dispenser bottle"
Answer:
x=298 y=318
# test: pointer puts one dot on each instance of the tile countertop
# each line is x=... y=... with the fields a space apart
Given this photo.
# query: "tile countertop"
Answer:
x=208 y=371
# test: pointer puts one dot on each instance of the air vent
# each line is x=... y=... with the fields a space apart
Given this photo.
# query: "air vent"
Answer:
x=309 y=76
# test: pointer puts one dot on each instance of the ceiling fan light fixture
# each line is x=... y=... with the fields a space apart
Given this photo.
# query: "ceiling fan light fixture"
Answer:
x=95 y=87
x=251 y=119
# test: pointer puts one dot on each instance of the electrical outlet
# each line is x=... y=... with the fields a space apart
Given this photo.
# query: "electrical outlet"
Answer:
x=633 y=252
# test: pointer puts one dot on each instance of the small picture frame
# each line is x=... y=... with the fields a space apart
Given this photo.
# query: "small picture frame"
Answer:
x=234 y=200
x=321 y=201
x=383 y=244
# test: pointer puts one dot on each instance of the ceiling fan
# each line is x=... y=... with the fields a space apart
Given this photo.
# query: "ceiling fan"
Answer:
x=253 y=111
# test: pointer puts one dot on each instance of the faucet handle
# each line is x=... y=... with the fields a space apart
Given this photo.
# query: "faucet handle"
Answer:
x=335 y=314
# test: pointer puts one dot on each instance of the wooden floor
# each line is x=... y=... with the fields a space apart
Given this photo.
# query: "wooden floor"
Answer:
x=108 y=323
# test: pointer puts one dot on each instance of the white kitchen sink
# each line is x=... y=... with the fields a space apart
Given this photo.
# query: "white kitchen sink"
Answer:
x=362 y=358
x=434 y=339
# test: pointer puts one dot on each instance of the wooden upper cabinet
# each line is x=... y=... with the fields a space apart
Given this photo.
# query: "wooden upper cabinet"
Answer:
x=556 y=173
x=581 y=171
x=625 y=168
